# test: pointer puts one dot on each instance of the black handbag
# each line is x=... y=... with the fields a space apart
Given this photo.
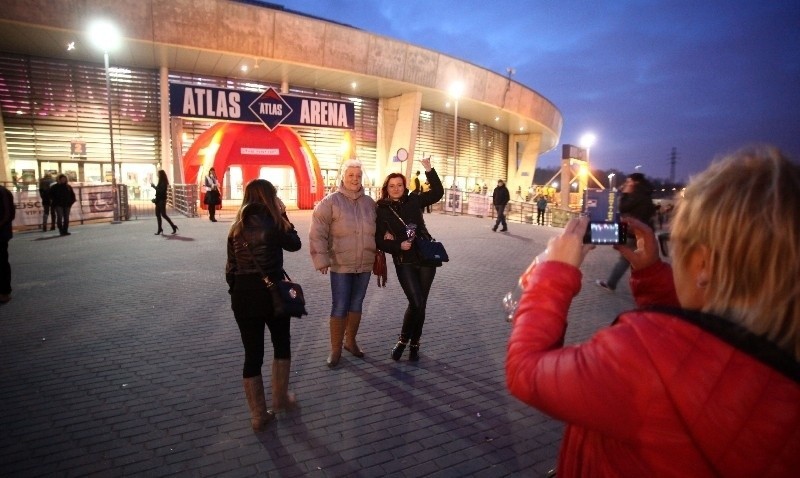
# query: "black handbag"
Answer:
x=431 y=250
x=287 y=296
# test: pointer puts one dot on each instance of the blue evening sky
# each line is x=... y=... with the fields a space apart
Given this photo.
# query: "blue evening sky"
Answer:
x=644 y=76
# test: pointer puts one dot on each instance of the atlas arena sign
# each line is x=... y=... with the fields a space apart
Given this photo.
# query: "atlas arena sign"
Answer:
x=267 y=107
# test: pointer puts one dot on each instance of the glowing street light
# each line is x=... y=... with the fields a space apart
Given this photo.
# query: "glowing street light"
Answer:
x=610 y=177
x=106 y=37
x=588 y=140
x=456 y=90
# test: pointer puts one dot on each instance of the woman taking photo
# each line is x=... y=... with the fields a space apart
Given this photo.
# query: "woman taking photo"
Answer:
x=704 y=378
x=399 y=221
x=260 y=233
x=342 y=239
x=161 y=202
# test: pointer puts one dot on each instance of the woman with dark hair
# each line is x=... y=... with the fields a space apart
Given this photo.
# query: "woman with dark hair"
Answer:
x=213 y=197
x=399 y=220
x=161 y=202
x=260 y=233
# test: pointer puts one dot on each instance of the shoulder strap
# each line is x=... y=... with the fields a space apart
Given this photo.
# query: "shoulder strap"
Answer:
x=398 y=216
x=264 y=276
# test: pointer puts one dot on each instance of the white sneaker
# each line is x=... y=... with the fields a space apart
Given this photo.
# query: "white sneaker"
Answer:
x=600 y=283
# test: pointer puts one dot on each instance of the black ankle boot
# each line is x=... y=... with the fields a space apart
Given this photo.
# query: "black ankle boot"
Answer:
x=413 y=353
x=398 y=349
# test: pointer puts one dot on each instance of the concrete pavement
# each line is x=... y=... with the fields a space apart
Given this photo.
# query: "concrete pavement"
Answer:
x=120 y=357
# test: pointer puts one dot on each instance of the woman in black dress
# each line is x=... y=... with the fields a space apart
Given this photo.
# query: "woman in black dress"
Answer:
x=161 y=202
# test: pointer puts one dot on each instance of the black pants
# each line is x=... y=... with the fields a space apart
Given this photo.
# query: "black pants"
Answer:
x=501 y=215
x=416 y=282
x=252 y=308
x=540 y=216
x=212 y=210
x=161 y=211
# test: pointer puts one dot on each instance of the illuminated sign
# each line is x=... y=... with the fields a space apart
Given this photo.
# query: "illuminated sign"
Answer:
x=268 y=107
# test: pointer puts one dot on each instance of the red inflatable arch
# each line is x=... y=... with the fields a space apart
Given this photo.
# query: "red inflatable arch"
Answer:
x=252 y=146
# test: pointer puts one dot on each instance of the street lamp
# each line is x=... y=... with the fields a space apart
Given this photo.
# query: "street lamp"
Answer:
x=106 y=37
x=586 y=142
x=610 y=177
x=456 y=90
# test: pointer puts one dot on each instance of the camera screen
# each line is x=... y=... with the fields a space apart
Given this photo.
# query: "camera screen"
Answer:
x=604 y=233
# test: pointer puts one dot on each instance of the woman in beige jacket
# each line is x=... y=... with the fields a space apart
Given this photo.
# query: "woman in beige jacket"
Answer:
x=342 y=239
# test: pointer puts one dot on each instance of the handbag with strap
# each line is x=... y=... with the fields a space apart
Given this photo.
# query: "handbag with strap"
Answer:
x=379 y=267
x=287 y=296
x=431 y=251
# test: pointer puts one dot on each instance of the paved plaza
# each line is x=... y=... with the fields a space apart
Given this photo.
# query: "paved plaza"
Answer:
x=120 y=357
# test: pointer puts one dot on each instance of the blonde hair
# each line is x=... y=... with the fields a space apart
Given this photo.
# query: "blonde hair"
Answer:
x=745 y=208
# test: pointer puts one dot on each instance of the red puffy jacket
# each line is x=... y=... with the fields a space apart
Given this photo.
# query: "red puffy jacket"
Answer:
x=654 y=394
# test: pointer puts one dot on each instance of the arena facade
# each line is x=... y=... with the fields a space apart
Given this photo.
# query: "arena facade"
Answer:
x=254 y=90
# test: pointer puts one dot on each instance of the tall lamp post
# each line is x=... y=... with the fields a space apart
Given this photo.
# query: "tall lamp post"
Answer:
x=456 y=89
x=105 y=36
x=587 y=141
x=610 y=177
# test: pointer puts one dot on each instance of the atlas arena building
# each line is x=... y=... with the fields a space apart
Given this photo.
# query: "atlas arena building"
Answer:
x=253 y=90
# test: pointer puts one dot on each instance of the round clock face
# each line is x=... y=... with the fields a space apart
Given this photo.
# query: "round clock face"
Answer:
x=402 y=154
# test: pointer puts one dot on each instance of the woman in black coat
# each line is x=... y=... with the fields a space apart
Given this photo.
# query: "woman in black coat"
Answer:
x=161 y=202
x=256 y=241
x=399 y=220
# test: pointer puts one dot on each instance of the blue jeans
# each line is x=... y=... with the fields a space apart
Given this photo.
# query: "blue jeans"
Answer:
x=348 y=291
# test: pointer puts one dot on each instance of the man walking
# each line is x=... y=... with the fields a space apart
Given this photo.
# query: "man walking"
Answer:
x=62 y=197
x=500 y=198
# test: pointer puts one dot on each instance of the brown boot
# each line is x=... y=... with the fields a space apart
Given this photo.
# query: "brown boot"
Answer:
x=254 y=391
x=351 y=329
x=282 y=398
x=337 y=335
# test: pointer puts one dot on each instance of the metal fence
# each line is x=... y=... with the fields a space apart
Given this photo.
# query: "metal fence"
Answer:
x=94 y=203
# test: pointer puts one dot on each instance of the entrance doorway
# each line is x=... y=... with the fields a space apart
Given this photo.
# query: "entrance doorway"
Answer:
x=282 y=177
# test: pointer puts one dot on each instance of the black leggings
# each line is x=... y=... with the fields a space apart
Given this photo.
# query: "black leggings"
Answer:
x=416 y=282
x=161 y=211
x=252 y=308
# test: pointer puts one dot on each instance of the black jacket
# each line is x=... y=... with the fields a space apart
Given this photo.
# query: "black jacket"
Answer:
x=638 y=204
x=501 y=196
x=62 y=195
x=161 y=191
x=260 y=240
x=409 y=208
